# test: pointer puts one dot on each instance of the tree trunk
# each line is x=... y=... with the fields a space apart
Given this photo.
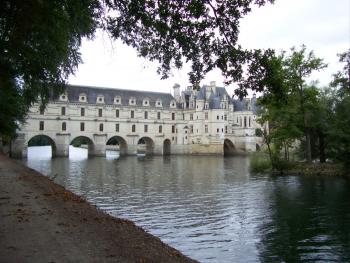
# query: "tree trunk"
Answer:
x=308 y=146
x=322 y=147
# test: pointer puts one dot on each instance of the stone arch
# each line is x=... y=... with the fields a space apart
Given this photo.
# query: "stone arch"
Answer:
x=84 y=142
x=118 y=143
x=43 y=140
x=145 y=145
x=229 y=147
x=166 y=147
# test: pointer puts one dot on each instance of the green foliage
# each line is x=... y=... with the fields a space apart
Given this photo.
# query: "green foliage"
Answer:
x=288 y=102
x=341 y=79
x=39 y=49
x=260 y=163
x=205 y=33
x=258 y=132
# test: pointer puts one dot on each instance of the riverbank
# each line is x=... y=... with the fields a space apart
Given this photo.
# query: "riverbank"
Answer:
x=315 y=169
x=40 y=221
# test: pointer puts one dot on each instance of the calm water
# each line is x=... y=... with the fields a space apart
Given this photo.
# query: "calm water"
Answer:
x=211 y=208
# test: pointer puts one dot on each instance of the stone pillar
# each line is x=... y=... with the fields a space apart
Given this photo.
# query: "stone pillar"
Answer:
x=99 y=148
x=158 y=150
x=18 y=147
x=132 y=149
x=62 y=145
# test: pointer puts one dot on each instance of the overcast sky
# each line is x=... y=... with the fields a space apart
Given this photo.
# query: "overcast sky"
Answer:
x=322 y=25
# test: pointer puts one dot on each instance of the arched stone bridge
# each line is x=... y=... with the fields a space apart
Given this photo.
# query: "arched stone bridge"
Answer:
x=97 y=144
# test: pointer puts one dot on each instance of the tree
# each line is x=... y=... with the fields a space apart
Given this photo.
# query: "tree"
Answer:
x=40 y=40
x=339 y=136
x=341 y=79
x=203 y=32
x=283 y=78
x=39 y=49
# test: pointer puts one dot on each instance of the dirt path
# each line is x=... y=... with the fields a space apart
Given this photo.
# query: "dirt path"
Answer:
x=42 y=222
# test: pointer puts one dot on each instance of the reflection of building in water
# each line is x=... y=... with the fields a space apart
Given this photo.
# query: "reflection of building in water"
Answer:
x=207 y=121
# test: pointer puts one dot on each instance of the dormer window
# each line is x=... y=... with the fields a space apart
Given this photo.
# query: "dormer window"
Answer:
x=158 y=103
x=100 y=99
x=206 y=106
x=145 y=102
x=172 y=104
x=63 y=97
x=132 y=101
x=82 y=97
x=117 y=100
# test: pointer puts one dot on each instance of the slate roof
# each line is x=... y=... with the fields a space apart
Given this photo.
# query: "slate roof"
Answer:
x=215 y=97
x=242 y=105
x=109 y=95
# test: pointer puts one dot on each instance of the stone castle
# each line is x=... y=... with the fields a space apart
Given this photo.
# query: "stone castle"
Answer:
x=204 y=121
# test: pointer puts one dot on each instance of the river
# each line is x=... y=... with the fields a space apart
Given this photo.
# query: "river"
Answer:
x=212 y=208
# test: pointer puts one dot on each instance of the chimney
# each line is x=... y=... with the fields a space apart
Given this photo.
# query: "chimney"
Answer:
x=213 y=86
x=177 y=92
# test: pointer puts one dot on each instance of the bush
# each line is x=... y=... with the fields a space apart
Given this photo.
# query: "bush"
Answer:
x=260 y=163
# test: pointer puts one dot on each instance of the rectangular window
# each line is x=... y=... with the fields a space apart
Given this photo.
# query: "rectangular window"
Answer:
x=217 y=130
x=145 y=128
x=101 y=127
x=117 y=113
x=117 y=127
x=133 y=128
x=249 y=122
x=146 y=115
x=173 y=129
x=99 y=112
x=225 y=129
x=191 y=128
x=191 y=117
x=206 y=115
x=63 y=111
x=82 y=126
x=158 y=115
x=225 y=117
x=132 y=114
x=245 y=122
x=82 y=112
x=41 y=125
x=160 y=129
x=173 y=116
x=206 y=128
x=64 y=126
x=217 y=117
